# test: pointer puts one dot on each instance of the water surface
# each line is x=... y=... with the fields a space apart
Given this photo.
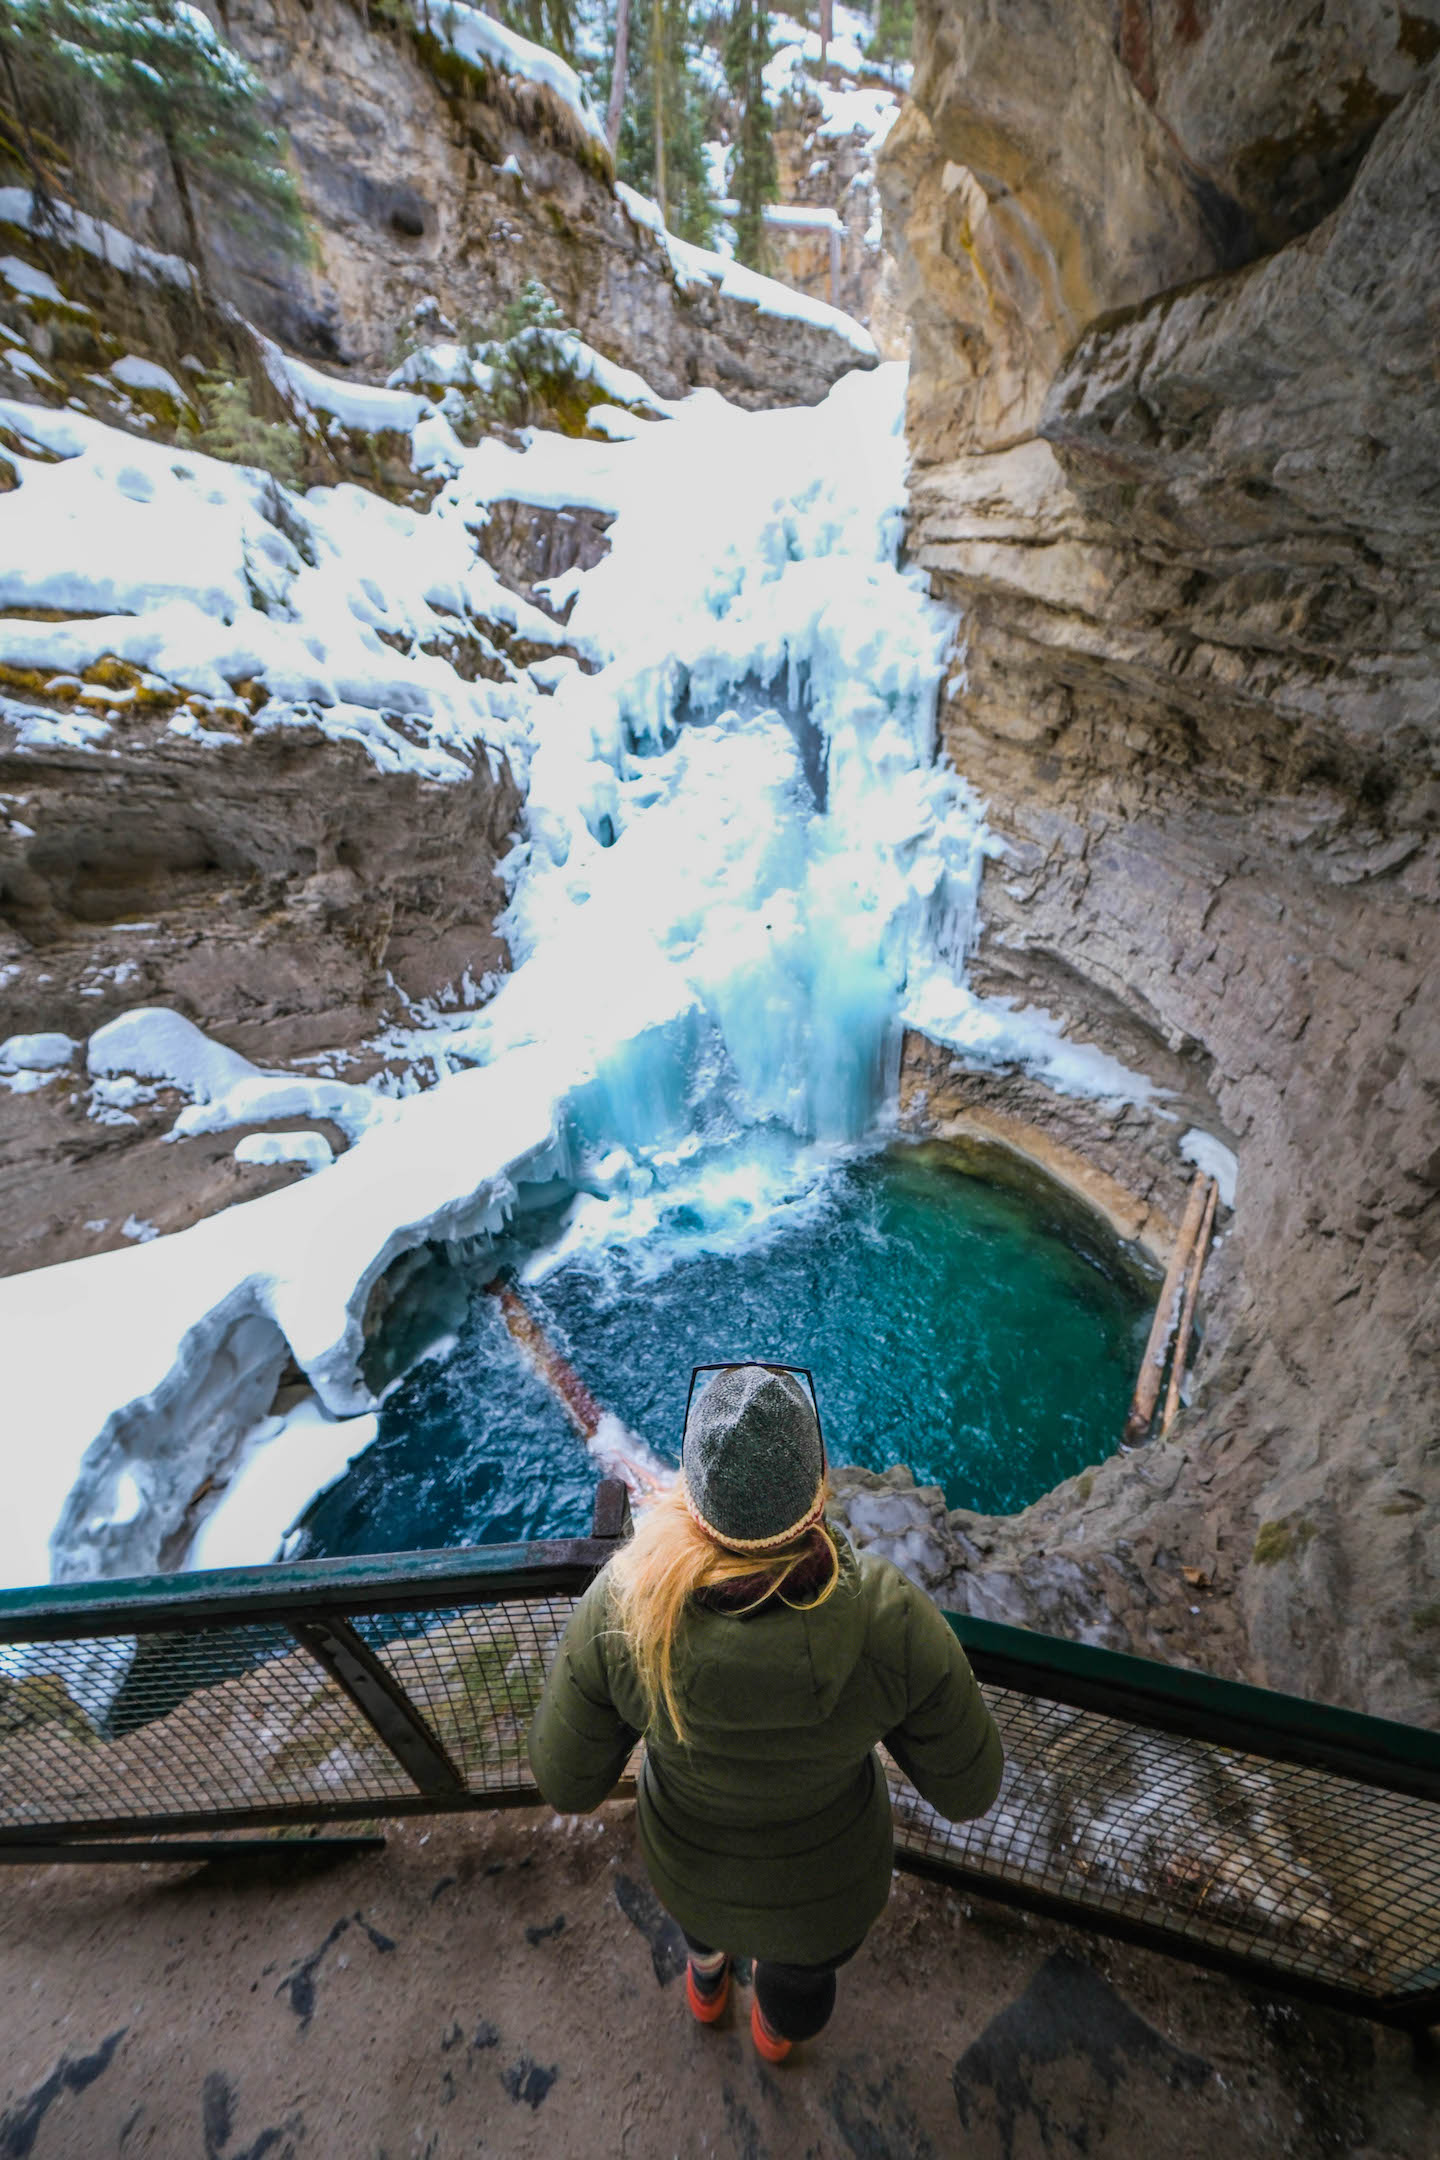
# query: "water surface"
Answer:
x=967 y=1329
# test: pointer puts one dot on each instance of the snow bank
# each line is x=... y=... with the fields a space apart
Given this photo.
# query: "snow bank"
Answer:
x=701 y=266
x=485 y=43
x=185 y=567
x=186 y=1336
x=283 y=1464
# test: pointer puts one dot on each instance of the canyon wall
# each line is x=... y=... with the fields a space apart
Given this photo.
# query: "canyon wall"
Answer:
x=1175 y=415
x=423 y=177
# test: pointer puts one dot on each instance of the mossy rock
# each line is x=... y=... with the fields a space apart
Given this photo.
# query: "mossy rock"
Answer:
x=1283 y=1540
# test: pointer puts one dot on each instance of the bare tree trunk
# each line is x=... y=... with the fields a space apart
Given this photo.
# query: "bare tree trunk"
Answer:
x=657 y=68
x=616 y=111
x=827 y=27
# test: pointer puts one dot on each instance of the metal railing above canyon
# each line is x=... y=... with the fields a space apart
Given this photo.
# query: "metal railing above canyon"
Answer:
x=1285 y=1841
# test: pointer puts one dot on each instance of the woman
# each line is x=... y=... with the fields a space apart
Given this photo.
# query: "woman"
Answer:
x=762 y=1661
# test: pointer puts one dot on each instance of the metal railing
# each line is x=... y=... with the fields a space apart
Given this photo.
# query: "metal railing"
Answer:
x=1284 y=1840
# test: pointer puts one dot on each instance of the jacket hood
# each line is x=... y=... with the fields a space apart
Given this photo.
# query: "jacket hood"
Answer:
x=781 y=1668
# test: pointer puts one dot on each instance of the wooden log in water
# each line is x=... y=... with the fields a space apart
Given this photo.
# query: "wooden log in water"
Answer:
x=617 y=1450
x=559 y=1375
x=1187 y=1310
x=1167 y=1311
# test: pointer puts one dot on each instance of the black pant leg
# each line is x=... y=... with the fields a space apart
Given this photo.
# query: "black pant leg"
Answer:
x=796 y=1999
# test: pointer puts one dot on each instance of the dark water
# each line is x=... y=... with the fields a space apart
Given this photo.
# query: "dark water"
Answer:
x=951 y=1324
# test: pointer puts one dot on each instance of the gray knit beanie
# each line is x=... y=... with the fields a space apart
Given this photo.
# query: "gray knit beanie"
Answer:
x=752 y=1459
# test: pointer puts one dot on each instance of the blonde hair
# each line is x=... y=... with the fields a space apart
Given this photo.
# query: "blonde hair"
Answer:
x=671 y=1557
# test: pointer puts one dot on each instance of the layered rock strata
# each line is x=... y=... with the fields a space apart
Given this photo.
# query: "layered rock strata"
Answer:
x=282 y=892
x=1192 y=533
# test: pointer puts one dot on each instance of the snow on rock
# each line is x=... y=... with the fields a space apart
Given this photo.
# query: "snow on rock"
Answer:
x=75 y=228
x=37 y=1053
x=158 y=1044
x=1215 y=1159
x=696 y=265
x=225 y=1089
x=35 y=284
x=486 y=43
x=137 y=373
x=990 y=1032
x=184 y=566
x=366 y=408
x=310 y=1149
x=283 y=1463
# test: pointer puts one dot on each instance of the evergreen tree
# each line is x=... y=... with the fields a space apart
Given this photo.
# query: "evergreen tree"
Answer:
x=98 y=72
x=662 y=131
x=894 y=32
x=754 y=177
x=232 y=429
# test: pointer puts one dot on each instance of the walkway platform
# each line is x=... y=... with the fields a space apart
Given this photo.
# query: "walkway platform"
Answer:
x=504 y=1984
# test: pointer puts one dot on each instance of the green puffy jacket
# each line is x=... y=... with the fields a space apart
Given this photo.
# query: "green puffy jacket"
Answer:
x=768 y=1832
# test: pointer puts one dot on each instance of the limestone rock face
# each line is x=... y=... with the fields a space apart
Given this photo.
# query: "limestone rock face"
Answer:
x=278 y=892
x=1065 y=157
x=400 y=162
x=1185 y=505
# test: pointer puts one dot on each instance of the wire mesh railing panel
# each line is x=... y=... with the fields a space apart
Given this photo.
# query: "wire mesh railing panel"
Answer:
x=1298 y=1842
x=475 y=1673
x=1311 y=1873
x=157 y=1727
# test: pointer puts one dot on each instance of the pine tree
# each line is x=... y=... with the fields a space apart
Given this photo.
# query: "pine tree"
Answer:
x=662 y=133
x=150 y=70
x=754 y=177
x=894 y=32
x=232 y=429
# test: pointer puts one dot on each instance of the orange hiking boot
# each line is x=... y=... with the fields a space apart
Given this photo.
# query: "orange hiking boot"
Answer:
x=707 y=1993
x=767 y=2041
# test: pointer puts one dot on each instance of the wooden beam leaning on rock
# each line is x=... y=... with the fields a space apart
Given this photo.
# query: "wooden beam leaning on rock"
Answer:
x=1187 y=1310
x=1152 y=1365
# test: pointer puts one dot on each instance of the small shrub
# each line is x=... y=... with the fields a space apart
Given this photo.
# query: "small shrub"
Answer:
x=531 y=358
x=232 y=429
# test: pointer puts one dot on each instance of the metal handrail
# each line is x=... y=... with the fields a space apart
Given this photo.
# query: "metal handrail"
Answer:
x=418 y=1673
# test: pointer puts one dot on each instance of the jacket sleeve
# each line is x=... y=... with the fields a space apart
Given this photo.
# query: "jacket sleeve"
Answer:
x=947 y=1744
x=579 y=1743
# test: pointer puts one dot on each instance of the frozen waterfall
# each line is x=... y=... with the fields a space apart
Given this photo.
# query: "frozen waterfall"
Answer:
x=742 y=870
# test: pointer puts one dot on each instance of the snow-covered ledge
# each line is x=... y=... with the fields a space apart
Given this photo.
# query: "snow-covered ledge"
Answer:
x=132 y=1373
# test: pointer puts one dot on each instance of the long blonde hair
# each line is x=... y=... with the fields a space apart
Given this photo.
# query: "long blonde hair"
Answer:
x=671 y=1557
